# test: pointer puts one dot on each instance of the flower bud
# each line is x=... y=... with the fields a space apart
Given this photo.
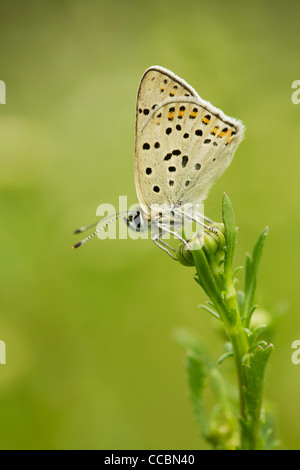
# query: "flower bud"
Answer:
x=211 y=240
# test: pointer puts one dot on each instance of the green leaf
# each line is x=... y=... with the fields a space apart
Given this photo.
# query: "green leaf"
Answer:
x=251 y=271
x=224 y=356
x=255 y=372
x=258 y=248
x=189 y=341
x=229 y=222
x=211 y=311
x=240 y=299
x=256 y=333
x=267 y=437
x=196 y=381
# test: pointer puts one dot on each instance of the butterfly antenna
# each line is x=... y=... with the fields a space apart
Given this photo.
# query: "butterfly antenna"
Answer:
x=84 y=229
x=81 y=229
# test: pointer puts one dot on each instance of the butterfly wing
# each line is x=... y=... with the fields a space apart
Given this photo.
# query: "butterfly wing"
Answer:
x=157 y=85
x=183 y=148
x=183 y=143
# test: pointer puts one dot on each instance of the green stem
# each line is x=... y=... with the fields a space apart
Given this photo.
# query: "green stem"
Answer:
x=240 y=349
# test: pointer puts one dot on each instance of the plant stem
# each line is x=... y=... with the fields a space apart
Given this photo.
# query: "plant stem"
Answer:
x=240 y=349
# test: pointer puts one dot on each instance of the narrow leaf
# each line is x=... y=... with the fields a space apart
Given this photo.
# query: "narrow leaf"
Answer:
x=255 y=381
x=229 y=222
x=197 y=381
x=211 y=311
x=251 y=271
x=224 y=356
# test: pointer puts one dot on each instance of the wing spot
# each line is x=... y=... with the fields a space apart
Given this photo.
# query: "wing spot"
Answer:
x=206 y=119
x=171 y=113
x=186 y=135
x=184 y=161
x=162 y=90
x=193 y=113
x=157 y=145
x=172 y=168
x=140 y=110
x=178 y=127
x=197 y=166
x=171 y=183
x=187 y=183
x=146 y=146
x=199 y=132
x=215 y=144
x=171 y=94
x=154 y=106
x=181 y=112
x=156 y=189
x=176 y=152
x=215 y=130
x=148 y=171
x=223 y=132
x=168 y=130
x=146 y=111
x=165 y=81
x=168 y=157
x=230 y=137
x=207 y=141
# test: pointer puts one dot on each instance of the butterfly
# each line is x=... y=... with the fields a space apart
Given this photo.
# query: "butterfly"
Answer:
x=183 y=145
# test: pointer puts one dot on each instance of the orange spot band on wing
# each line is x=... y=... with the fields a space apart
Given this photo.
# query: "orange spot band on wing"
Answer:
x=193 y=113
x=223 y=132
x=230 y=137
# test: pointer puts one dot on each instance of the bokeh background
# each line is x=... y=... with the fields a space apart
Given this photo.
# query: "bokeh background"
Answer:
x=91 y=362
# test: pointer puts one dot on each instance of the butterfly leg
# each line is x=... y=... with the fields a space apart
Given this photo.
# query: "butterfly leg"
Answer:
x=163 y=228
x=162 y=245
x=199 y=221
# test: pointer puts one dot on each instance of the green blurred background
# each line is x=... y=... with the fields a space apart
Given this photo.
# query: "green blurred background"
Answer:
x=91 y=362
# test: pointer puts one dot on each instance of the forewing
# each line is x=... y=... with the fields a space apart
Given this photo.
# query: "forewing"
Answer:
x=157 y=85
x=182 y=148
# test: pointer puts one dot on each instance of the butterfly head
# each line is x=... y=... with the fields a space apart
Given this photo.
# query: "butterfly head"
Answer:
x=136 y=221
